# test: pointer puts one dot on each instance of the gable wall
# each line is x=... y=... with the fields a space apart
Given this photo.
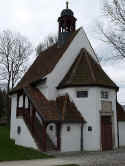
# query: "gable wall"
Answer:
x=70 y=140
x=24 y=138
x=13 y=116
x=60 y=70
x=121 y=125
x=87 y=107
x=90 y=108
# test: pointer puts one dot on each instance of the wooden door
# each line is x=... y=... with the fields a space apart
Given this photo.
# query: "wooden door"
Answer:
x=106 y=132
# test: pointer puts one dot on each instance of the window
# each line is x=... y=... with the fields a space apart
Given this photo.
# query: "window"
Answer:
x=18 y=130
x=51 y=127
x=68 y=128
x=104 y=94
x=82 y=94
x=89 y=128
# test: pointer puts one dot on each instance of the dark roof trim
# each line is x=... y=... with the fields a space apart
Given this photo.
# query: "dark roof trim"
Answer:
x=40 y=81
x=64 y=121
x=87 y=85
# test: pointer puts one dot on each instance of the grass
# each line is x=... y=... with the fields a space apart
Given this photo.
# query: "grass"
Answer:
x=68 y=165
x=9 y=151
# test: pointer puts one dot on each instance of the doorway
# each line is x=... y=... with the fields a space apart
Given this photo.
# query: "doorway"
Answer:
x=106 y=132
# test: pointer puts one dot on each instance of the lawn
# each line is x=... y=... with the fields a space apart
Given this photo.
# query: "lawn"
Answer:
x=68 y=165
x=9 y=151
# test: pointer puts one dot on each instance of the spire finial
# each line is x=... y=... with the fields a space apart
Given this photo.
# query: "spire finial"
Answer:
x=67 y=4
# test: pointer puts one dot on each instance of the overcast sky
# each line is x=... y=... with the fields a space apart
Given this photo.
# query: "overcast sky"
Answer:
x=37 y=19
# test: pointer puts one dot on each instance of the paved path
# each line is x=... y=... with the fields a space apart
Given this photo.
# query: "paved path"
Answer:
x=83 y=159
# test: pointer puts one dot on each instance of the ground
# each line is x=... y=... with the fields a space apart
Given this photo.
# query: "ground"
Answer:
x=10 y=151
x=83 y=159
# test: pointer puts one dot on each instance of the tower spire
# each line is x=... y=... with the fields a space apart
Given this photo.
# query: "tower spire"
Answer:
x=67 y=4
x=67 y=23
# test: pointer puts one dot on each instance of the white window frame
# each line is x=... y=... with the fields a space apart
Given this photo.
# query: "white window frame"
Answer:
x=82 y=96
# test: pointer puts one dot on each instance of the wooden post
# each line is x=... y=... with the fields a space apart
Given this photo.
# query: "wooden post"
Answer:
x=44 y=138
x=33 y=118
x=18 y=101
x=17 y=109
x=58 y=133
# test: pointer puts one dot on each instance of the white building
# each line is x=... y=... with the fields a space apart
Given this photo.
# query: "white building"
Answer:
x=66 y=101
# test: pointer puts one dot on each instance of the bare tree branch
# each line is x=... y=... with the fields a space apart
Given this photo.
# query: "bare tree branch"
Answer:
x=114 y=11
x=48 y=42
x=14 y=53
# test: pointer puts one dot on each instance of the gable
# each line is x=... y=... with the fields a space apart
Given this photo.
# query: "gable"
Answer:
x=62 y=67
x=85 y=71
x=44 y=64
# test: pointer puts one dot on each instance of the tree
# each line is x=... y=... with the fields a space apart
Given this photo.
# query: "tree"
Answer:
x=114 y=11
x=48 y=42
x=14 y=53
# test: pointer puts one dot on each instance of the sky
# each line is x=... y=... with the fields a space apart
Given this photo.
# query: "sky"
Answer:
x=38 y=19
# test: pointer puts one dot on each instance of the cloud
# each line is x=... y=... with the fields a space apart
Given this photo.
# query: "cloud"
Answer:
x=37 y=19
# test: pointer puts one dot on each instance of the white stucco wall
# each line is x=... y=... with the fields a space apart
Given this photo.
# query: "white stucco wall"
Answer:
x=52 y=133
x=90 y=108
x=26 y=102
x=43 y=89
x=70 y=140
x=112 y=98
x=20 y=101
x=121 y=125
x=64 y=64
x=24 y=138
x=13 y=116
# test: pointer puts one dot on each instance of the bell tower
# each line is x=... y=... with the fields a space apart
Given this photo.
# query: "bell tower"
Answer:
x=67 y=24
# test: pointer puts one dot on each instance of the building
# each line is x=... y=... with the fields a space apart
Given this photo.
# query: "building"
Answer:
x=65 y=101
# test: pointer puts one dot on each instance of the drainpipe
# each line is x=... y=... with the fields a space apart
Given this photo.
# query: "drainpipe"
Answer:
x=117 y=123
x=82 y=137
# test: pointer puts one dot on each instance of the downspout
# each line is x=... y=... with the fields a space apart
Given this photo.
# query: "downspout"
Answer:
x=81 y=137
x=118 y=132
x=117 y=123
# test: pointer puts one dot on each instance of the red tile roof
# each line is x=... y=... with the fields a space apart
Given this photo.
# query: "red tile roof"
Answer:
x=85 y=71
x=44 y=63
x=47 y=109
x=69 y=111
x=120 y=112
x=62 y=109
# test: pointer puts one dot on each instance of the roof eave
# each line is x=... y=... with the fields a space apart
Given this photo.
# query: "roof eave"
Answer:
x=88 y=85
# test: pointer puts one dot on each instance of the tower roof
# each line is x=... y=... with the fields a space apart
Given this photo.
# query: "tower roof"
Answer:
x=67 y=11
x=86 y=72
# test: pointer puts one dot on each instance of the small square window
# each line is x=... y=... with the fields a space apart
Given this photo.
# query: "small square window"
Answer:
x=68 y=128
x=18 y=130
x=104 y=94
x=82 y=94
x=51 y=127
x=89 y=128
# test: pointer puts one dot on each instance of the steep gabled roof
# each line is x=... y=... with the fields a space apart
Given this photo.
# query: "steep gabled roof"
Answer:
x=68 y=110
x=47 y=109
x=120 y=112
x=85 y=71
x=62 y=109
x=44 y=63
